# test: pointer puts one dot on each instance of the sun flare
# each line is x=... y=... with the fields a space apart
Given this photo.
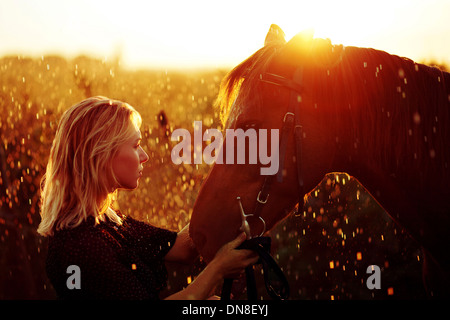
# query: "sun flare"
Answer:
x=215 y=33
x=347 y=22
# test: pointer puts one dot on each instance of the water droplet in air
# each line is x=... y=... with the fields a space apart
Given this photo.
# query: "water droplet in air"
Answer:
x=432 y=153
x=416 y=118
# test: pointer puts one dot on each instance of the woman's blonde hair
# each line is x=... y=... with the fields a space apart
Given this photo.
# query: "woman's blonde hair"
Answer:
x=79 y=180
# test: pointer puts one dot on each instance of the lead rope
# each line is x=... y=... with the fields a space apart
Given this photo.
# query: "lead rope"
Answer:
x=275 y=281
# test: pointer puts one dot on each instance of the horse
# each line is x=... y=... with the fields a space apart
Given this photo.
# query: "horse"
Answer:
x=382 y=119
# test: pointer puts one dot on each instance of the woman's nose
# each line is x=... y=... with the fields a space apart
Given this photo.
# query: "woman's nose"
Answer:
x=144 y=156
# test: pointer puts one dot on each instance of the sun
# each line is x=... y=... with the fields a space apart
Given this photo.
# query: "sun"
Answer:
x=348 y=22
x=216 y=34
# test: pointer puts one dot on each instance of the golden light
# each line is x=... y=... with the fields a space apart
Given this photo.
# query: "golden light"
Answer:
x=347 y=22
x=358 y=256
x=213 y=33
x=390 y=291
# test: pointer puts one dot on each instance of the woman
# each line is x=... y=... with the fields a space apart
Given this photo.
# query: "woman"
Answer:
x=97 y=151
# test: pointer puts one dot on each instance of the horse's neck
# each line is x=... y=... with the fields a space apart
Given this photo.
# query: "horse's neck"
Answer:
x=413 y=190
x=396 y=128
x=389 y=173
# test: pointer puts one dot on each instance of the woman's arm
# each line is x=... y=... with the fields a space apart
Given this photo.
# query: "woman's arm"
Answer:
x=228 y=262
x=183 y=249
x=202 y=286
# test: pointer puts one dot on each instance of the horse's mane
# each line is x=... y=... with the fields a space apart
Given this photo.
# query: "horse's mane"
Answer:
x=402 y=110
x=389 y=104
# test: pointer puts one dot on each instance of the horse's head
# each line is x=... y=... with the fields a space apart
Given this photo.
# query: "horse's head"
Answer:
x=254 y=103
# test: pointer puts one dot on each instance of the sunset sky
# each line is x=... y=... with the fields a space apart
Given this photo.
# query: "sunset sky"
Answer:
x=200 y=33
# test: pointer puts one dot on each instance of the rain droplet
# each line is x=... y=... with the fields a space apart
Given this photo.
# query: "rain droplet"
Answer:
x=416 y=118
x=432 y=153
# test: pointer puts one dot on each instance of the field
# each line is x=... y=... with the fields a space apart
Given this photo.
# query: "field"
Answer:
x=324 y=251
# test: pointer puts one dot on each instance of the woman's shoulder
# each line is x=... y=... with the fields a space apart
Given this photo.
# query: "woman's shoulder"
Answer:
x=148 y=231
x=86 y=237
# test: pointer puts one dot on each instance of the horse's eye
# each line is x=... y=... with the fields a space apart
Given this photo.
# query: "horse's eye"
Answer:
x=250 y=125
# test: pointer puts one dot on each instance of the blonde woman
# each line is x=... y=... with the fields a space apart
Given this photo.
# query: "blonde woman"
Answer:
x=96 y=151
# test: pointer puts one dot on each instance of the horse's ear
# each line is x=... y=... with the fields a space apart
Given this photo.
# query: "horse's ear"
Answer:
x=274 y=35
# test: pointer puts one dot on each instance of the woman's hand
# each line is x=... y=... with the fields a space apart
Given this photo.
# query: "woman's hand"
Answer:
x=230 y=262
x=227 y=263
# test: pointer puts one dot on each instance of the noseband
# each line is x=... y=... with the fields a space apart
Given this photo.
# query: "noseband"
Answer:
x=259 y=244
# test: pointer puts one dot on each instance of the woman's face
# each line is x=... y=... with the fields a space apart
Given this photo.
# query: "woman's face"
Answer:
x=127 y=164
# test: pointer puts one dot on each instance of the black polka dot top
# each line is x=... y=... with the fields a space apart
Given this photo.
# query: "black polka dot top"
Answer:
x=115 y=262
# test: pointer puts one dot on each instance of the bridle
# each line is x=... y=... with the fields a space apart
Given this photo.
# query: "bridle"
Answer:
x=291 y=121
x=260 y=244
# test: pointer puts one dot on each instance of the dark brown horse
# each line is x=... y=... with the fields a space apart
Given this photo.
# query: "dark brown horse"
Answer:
x=383 y=119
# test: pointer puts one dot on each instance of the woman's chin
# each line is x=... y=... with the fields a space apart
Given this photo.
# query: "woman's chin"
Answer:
x=129 y=187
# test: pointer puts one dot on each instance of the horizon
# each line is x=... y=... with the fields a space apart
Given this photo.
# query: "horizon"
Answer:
x=206 y=34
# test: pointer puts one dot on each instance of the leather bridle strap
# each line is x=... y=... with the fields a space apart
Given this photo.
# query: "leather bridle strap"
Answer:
x=291 y=118
x=294 y=85
x=296 y=100
x=263 y=195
